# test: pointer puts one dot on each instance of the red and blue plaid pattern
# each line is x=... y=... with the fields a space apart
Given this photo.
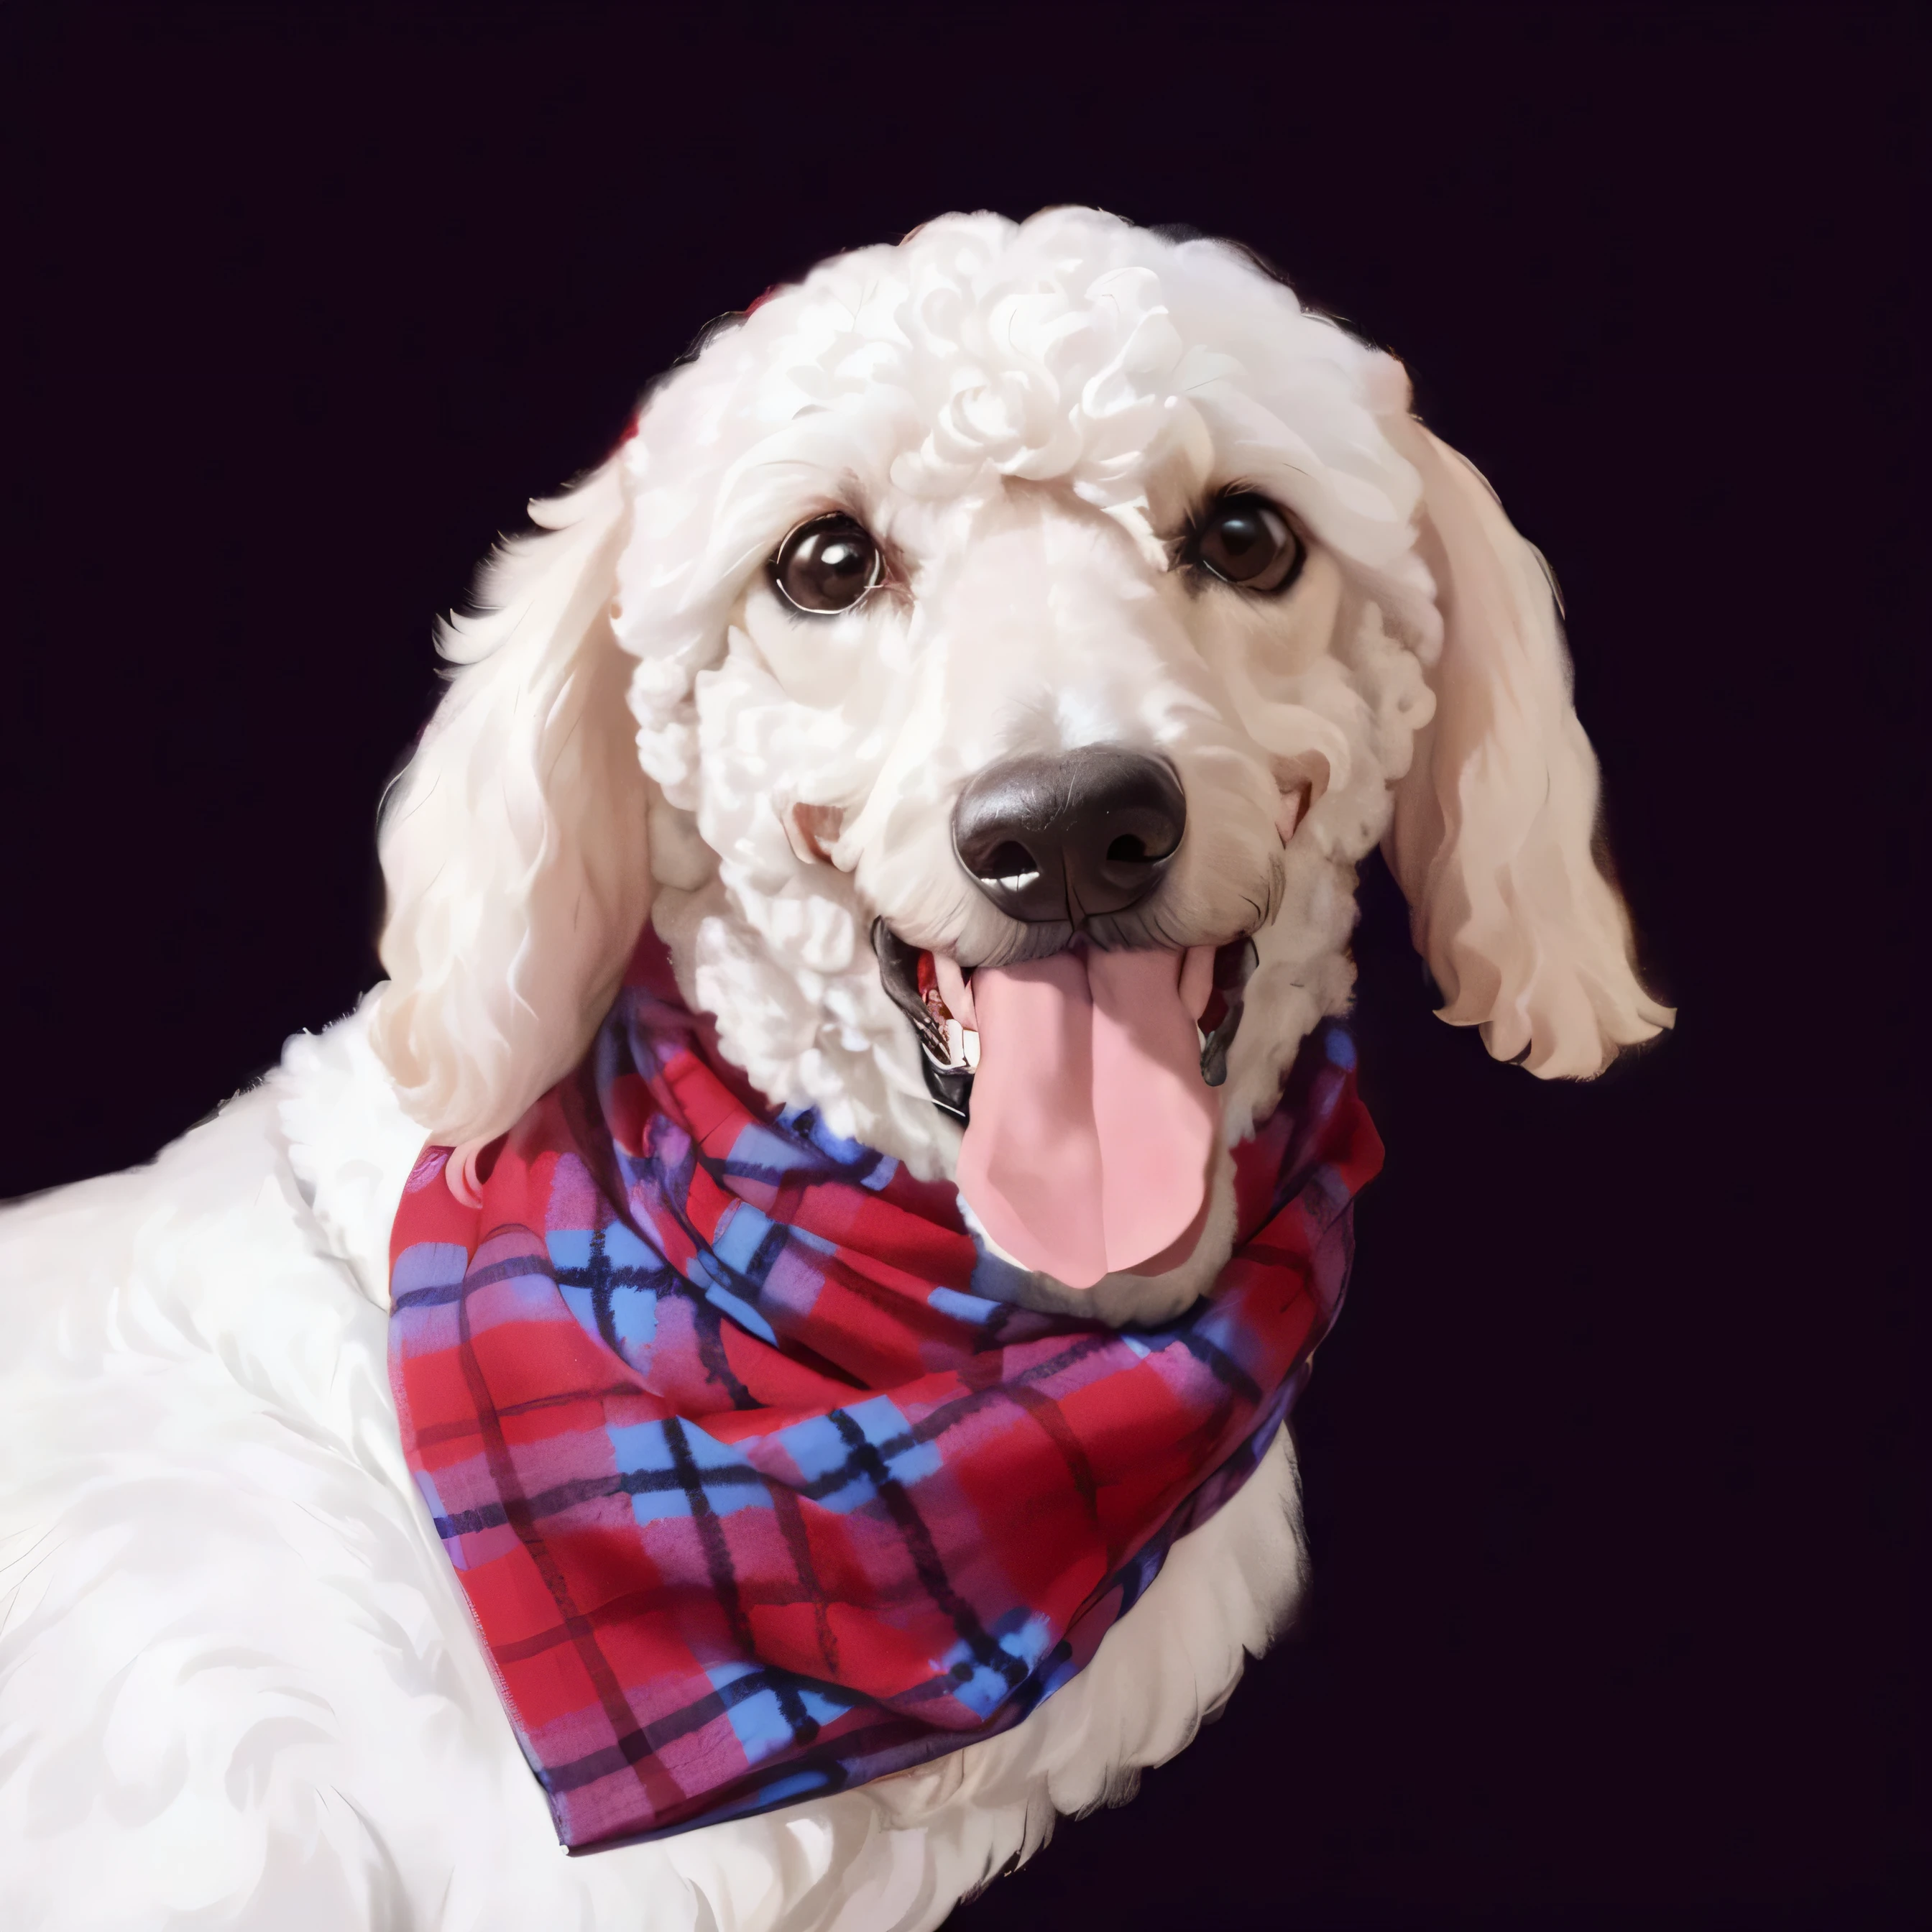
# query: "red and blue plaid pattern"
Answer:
x=757 y=1488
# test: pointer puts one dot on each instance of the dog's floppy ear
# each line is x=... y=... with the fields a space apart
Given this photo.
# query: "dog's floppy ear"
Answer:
x=514 y=843
x=1495 y=822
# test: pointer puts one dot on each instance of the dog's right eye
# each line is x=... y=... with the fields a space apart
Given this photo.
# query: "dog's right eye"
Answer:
x=826 y=565
x=1244 y=540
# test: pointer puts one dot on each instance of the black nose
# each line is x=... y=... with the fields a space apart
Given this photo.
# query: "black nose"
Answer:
x=1072 y=837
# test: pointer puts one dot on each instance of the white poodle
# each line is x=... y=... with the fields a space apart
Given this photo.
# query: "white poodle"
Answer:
x=791 y=675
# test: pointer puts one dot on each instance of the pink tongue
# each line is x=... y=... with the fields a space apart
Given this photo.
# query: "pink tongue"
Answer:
x=1091 y=1127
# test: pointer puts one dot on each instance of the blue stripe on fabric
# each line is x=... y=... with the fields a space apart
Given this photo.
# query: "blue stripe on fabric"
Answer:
x=428 y=1264
x=632 y=1305
x=623 y=1249
x=742 y=1313
x=741 y=1229
x=1024 y=1635
x=734 y=1248
x=973 y=1309
x=432 y=1499
x=758 y=1150
x=633 y=1315
x=757 y=1716
x=642 y=1449
x=756 y=1720
x=706 y=1275
x=807 y=1124
x=817 y=1449
x=569 y=1248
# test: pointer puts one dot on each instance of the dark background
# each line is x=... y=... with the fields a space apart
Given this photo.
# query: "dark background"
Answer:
x=1607 y=1466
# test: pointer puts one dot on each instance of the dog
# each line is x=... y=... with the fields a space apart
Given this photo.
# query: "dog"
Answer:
x=977 y=614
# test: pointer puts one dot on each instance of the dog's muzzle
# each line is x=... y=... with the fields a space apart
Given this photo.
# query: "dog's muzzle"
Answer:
x=1064 y=846
x=1089 y=1150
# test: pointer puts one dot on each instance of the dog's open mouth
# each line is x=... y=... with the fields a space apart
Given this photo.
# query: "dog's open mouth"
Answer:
x=1087 y=1082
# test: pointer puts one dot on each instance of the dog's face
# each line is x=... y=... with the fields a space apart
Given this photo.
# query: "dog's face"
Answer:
x=1007 y=613
x=1012 y=626
x=1058 y=581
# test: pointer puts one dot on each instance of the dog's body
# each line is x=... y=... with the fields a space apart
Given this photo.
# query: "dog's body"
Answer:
x=239 y=1677
x=241 y=1681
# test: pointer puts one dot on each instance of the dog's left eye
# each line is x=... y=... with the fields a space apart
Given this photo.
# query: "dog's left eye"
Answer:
x=826 y=565
x=1245 y=541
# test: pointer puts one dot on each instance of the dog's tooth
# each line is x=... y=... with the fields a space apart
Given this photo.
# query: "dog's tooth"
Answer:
x=969 y=1046
x=1197 y=978
x=953 y=987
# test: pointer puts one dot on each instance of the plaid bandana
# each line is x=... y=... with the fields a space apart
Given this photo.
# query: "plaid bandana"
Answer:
x=756 y=1487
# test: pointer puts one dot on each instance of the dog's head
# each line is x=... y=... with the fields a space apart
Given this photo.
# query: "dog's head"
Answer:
x=997 y=649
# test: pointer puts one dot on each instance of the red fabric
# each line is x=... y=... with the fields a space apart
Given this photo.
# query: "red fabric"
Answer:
x=756 y=1488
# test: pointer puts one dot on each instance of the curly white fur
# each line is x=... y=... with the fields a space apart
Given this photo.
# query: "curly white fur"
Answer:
x=1024 y=416
x=238 y=1684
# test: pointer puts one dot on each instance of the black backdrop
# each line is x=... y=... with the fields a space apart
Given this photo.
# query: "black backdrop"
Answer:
x=1606 y=1466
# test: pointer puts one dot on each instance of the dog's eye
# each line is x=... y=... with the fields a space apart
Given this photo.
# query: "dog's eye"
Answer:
x=1245 y=541
x=827 y=565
